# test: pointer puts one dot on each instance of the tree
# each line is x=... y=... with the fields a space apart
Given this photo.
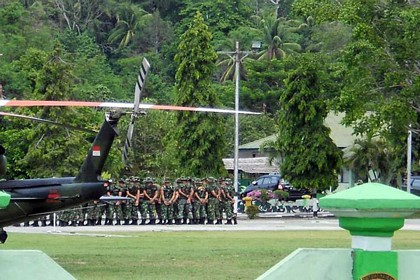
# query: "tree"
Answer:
x=380 y=82
x=309 y=158
x=275 y=32
x=129 y=19
x=49 y=144
x=373 y=158
x=199 y=137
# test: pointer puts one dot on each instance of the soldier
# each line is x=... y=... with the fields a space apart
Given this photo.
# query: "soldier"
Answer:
x=213 y=200
x=92 y=213
x=126 y=205
x=117 y=191
x=142 y=201
x=200 y=202
x=102 y=209
x=158 y=205
x=132 y=206
x=150 y=199
x=110 y=207
x=167 y=196
x=185 y=196
x=227 y=200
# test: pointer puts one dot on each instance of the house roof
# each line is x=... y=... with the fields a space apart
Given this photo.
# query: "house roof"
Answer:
x=257 y=165
x=341 y=135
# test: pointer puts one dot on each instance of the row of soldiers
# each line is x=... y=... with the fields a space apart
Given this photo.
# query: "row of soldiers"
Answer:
x=186 y=201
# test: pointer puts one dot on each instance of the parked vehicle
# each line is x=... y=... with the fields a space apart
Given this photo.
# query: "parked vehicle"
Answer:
x=274 y=182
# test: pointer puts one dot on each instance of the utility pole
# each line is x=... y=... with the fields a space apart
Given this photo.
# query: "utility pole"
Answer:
x=236 y=56
x=409 y=142
x=236 y=149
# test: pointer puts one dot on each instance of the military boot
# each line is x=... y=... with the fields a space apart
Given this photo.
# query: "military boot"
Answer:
x=210 y=222
x=143 y=222
x=35 y=224
x=161 y=222
x=219 y=222
x=152 y=222
x=201 y=221
x=110 y=222
x=44 y=223
x=235 y=222
x=99 y=222
x=178 y=221
x=126 y=222
x=169 y=222
x=184 y=221
x=228 y=222
x=118 y=223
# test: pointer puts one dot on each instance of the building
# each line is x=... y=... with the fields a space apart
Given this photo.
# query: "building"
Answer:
x=253 y=162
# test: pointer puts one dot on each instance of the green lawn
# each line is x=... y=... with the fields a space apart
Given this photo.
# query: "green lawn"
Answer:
x=183 y=255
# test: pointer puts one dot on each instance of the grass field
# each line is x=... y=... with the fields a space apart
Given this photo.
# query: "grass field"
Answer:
x=183 y=255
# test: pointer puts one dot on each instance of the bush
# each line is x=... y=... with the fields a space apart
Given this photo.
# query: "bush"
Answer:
x=281 y=194
x=252 y=211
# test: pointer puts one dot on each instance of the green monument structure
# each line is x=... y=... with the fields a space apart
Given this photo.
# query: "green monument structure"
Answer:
x=371 y=212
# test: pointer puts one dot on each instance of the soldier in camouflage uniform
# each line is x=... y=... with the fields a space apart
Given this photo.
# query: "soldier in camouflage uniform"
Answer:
x=213 y=204
x=63 y=218
x=76 y=216
x=92 y=213
x=158 y=205
x=117 y=191
x=126 y=205
x=133 y=205
x=226 y=194
x=110 y=207
x=150 y=199
x=167 y=196
x=142 y=202
x=102 y=209
x=200 y=202
x=185 y=196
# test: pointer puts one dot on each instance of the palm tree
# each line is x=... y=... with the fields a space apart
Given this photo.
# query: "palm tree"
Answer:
x=275 y=39
x=128 y=22
x=227 y=63
x=372 y=158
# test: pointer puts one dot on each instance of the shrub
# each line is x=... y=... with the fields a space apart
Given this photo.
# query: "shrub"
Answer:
x=279 y=194
x=252 y=211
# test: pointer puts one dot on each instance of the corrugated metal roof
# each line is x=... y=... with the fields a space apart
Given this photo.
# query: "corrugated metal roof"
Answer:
x=257 y=165
x=340 y=134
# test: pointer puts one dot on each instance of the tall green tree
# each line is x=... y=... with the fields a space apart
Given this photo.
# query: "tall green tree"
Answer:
x=310 y=159
x=199 y=137
x=51 y=150
x=381 y=78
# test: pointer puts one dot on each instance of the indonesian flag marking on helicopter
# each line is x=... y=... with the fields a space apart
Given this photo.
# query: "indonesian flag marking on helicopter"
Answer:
x=49 y=103
x=96 y=151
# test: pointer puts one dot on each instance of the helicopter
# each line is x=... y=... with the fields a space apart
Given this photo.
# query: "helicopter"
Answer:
x=29 y=199
x=33 y=198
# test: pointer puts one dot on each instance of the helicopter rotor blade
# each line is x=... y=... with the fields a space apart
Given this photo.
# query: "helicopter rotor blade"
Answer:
x=141 y=78
x=47 y=121
x=45 y=103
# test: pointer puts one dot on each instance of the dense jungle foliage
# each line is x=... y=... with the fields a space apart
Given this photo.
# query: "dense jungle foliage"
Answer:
x=360 y=57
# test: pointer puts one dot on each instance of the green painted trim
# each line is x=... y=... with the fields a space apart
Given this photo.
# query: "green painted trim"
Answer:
x=381 y=227
x=367 y=264
x=4 y=199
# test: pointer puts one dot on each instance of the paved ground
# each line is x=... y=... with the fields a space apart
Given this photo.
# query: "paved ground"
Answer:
x=269 y=222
